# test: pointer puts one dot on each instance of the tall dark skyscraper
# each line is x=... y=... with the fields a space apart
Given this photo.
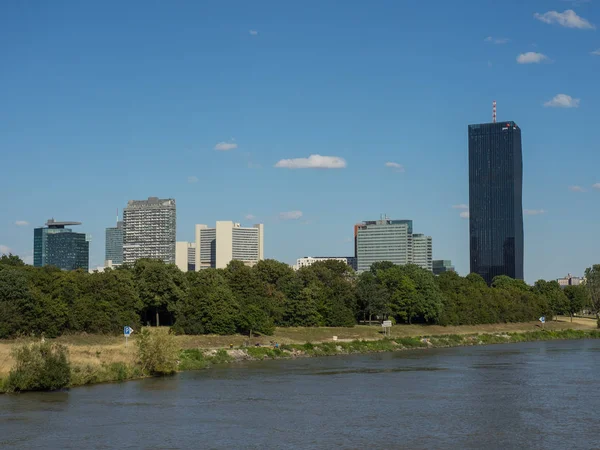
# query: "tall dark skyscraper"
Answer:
x=495 y=200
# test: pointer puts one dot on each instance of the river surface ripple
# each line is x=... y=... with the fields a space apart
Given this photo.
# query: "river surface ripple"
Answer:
x=541 y=395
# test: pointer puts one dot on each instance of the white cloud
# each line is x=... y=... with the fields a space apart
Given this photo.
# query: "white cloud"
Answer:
x=568 y=19
x=464 y=214
x=497 y=40
x=226 y=146
x=531 y=58
x=461 y=206
x=249 y=217
x=397 y=167
x=313 y=162
x=596 y=52
x=576 y=189
x=253 y=33
x=192 y=179
x=21 y=223
x=533 y=212
x=562 y=101
x=290 y=215
x=596 y=186
x=4 y=250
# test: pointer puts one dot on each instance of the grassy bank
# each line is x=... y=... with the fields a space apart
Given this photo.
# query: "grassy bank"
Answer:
x=98 y=359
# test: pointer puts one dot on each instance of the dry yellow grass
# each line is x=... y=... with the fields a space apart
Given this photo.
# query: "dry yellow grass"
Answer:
x=95 y=350
x=83 y=351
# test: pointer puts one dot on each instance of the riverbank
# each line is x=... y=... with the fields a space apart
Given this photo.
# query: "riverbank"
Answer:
x=98 y=359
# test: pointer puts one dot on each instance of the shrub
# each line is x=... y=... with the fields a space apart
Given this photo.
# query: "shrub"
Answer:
x=157 y=352
x=192 y=359
x=220 y=357
x=39 y=367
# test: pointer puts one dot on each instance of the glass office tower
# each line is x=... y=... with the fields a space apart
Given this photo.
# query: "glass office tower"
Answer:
x=58 y=246
x=113 y=250
x=495 y=200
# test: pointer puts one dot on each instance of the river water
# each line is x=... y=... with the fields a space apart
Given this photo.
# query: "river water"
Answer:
x=543 y=395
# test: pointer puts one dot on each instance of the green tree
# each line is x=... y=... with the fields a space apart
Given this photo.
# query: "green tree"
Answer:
x=380 y=265
x=414 y=293
x=506 y=282
x=11 y=260
x=554 y=295
x=160 y=287
x=332 y=282
x=17 y=308
x=209 y=307
x=578 y=298
x=270 y=271
x=372 y=297
x=302 y=310
x=254 y=319
x=592 y=284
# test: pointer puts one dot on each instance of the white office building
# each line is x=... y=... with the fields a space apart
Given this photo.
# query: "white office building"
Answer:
x=422 y=253
x=310 y=260
x=216 y=247
x=185 y=256
x=391 y=240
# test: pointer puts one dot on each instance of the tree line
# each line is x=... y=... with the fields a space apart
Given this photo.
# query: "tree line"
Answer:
x=242 y=299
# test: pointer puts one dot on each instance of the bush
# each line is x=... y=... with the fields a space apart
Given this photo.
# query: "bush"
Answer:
x=157 y=352
x=39 y=367
x=192 y=359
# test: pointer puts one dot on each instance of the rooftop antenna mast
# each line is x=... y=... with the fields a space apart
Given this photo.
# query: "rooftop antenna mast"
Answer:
x=494 y=111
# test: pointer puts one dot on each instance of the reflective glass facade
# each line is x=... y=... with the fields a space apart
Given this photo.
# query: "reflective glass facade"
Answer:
x=60 y=247
x=114 y=244
x=68 y=250
x=495 y=200
x=442 y=265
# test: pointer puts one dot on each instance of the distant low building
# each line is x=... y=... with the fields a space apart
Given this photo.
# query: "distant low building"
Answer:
x=307 y=261
x=570 y=280
x=442 y=265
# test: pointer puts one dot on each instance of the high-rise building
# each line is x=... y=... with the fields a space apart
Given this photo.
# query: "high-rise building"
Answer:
x=310 y=260
x=422 y=251
x=113 y=250
x=495 y=200
x=185 y=256
x=442 y=265
x=216 y=247
x=149 y=230
x=55 y=245
x=383 y=240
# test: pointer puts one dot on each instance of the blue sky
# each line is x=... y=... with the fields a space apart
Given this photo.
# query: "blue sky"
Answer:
x=102 y=102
